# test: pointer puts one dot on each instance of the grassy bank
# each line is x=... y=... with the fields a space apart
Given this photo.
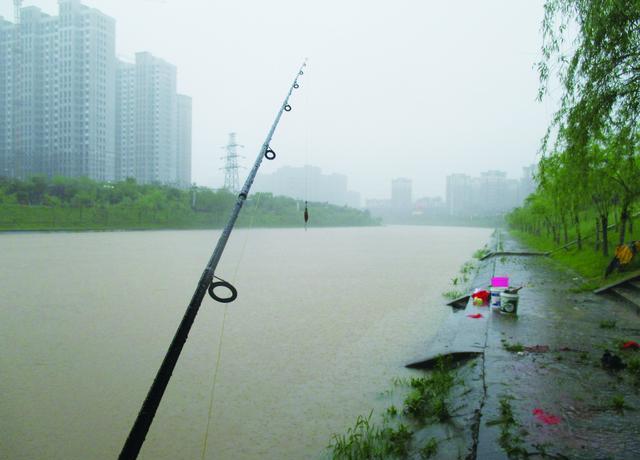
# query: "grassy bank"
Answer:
x=39 y=217
x=82 y=204
x=587 y=262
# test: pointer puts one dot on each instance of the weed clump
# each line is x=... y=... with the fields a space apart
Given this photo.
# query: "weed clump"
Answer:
x=618 y=403
x=429 y=450
x=366 y=441
x=427 y=402
x=512 y=347
x=608 y=324
x=453 y=294
x=480 y=253
x=429 y=394
x=511 y=437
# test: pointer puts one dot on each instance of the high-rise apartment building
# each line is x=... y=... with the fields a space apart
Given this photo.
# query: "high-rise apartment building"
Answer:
x=147 y=120
x=59 y=93
x=459 y=194
x=156 y=121
x=184 y=141
x=308 y=183
x=68 y=107
x=401 y=195
x=490 y=194
x=125 y=163
x=7 y=33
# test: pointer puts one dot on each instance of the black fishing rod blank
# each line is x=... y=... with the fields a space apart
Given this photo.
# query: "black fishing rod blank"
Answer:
x=140 y=428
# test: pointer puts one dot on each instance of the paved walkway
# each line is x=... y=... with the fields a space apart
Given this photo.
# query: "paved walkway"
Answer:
x=556 y=398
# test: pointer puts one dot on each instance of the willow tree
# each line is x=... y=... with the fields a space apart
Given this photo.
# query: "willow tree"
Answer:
x=593 y=48
x=566 y=181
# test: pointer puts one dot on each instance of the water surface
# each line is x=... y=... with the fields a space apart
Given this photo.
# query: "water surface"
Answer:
x=323 y=321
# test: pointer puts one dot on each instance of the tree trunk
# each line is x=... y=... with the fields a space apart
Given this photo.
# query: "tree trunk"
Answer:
x=554 y=233
x=576 y=220
x=604 y=220
x=597 y=239
x=564 y=230
x=624 y=217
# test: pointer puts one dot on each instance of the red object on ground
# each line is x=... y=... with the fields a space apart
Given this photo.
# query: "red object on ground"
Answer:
x=546 y=418
x=476 y=316
x=484 y=295
x=630 y=344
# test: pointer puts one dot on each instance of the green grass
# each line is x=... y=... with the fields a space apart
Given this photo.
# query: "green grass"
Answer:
x=429 y=450
x=608 y=324
x=512 y=347
x=480 y=253
x=618 y=403
x=366 y=440
x=427 y=402
x=428 y=398
x=453 y=294
x=633 y=367
x=588 y=263
x=511 y=437
x=270 y=212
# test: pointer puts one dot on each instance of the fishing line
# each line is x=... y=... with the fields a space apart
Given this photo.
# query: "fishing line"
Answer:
x=147 y=412
x=306 y=159
x=224 y=320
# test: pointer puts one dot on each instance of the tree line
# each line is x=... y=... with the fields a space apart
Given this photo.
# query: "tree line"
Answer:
x=588 y=177
x=585 y=194
x=81 y=203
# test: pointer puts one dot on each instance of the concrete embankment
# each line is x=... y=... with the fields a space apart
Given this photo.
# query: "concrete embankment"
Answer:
x=539 y=385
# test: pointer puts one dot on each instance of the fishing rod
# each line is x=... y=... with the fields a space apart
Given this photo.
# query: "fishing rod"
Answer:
x=140 y=428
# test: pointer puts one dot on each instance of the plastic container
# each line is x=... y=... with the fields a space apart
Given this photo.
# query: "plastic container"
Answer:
x=495 y=295
x=509 y=303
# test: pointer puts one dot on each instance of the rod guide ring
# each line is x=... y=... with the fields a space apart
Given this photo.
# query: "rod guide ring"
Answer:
x=270 y=154
x=231 y=298
x=287 y=108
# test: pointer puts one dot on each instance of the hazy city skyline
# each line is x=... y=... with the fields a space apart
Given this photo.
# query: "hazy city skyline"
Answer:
x=416 y=90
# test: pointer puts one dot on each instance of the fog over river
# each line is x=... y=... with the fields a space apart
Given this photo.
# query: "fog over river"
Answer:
x=323 y=321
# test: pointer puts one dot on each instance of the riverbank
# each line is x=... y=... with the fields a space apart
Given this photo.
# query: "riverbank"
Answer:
x=537 y=386
x=81 y=204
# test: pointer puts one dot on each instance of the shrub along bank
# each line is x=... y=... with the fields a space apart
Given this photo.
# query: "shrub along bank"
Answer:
x=64 y=203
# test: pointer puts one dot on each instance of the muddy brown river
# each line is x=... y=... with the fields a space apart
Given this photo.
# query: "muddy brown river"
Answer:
x=324 y=320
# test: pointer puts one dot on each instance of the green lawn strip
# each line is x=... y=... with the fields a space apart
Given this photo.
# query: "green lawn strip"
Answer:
x=588 y=263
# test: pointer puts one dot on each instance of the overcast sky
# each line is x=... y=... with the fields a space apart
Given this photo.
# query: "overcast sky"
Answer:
x=404 y=88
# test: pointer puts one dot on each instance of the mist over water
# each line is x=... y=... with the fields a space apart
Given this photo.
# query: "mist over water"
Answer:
x=324 y=320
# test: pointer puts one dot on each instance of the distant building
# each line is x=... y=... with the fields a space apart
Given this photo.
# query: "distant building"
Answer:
x=459 y=194
x=397 y=208
x=490 y=194
x=58 y=93
x=430 y=207
x=527 y=182
x=68 y=107
x=151 y=105
x=401 y=195
x=308 y=183
x=126 y=120
x=378 y=207
x=183 y=140
x=153 y=128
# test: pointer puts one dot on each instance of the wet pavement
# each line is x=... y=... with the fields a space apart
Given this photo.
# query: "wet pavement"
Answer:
x=553 y=399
